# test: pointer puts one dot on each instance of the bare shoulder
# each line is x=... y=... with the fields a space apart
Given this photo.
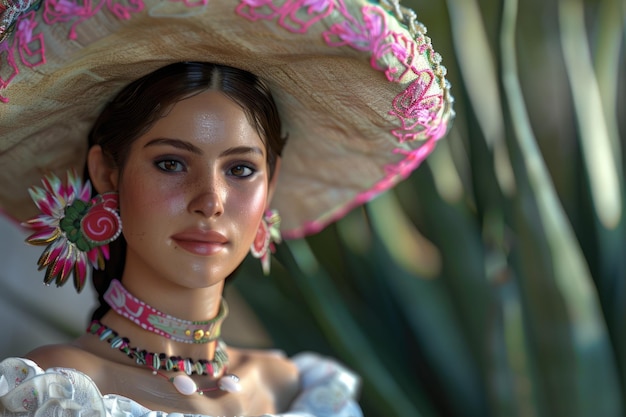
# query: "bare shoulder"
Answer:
x=64 y=356
x=50 y=356
x=274 y=369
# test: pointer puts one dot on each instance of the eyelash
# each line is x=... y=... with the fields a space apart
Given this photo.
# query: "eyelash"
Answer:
x=160 y=164
x=252 y=170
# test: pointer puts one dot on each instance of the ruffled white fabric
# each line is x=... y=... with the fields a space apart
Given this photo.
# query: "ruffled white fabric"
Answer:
x=327 y=389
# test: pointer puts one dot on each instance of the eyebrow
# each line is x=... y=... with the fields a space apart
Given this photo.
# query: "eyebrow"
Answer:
x=184 y=145
x=240 y=150
x=176 y=143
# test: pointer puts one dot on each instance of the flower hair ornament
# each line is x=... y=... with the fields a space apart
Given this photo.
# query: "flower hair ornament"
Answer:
x=75 y=228
x=267 y=235
x=361 y=92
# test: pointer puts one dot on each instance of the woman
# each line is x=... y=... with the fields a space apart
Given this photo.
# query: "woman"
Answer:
x=184 y=162
x=192 y=189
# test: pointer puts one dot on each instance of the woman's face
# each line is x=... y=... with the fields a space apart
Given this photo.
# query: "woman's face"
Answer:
x=192 y=192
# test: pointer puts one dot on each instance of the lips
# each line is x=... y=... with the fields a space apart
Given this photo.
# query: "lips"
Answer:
x=201 y=242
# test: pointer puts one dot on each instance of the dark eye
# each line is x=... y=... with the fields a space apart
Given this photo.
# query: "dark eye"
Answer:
x=241 y=171
x=170 y=165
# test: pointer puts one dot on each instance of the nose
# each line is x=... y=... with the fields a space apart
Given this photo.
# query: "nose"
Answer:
x=207 y=204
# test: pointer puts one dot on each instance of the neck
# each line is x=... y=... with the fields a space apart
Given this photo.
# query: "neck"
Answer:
x=192 y=304
x=187 y=331
x=194 y=296
x=167 y=319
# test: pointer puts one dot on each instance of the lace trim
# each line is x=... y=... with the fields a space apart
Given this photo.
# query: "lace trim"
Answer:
x=327 y=390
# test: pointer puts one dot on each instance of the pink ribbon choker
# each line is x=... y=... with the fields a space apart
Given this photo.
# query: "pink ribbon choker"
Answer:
x=149 y=318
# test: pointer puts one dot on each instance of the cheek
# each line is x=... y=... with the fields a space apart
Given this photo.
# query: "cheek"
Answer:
x=250 y=209
x=144 y=203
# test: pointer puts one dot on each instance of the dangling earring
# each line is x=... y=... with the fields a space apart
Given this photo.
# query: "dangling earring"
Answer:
x=75 y=227
x=267 y=235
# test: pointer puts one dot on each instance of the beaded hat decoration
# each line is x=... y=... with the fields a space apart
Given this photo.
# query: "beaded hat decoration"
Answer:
x=361 y=93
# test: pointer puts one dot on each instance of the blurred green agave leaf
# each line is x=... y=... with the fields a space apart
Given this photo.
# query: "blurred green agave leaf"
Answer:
x=575 y=361
x=523 y=310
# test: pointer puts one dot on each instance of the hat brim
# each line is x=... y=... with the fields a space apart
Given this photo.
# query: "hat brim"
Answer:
x=361 y=112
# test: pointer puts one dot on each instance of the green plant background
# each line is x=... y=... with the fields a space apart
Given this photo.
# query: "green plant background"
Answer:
x=492 y=281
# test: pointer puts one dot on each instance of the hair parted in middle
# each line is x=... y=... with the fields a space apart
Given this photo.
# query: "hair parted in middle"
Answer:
x=141 y=103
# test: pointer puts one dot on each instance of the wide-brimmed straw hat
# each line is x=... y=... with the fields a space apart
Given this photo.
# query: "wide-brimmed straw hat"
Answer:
x=361 y=93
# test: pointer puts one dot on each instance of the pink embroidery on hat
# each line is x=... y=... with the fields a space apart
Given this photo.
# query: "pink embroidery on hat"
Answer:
x=193 y=3
x=62 y=11
x=417 y=109
x=10 y=11
x=28 y=45
x=394 y=53
x=393 y=174
x=368 y=36
x=294 y=15
x=401 y=49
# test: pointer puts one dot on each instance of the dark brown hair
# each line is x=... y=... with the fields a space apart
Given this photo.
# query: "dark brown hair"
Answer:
x=140 y=104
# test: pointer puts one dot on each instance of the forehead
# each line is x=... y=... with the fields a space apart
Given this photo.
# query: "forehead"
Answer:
x=209 y=117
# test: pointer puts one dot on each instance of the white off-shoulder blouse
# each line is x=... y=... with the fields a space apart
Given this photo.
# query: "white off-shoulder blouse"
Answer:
x=327 y=389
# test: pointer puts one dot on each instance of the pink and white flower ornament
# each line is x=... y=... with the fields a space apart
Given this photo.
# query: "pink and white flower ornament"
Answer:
x=267 y=235
x=75 y=228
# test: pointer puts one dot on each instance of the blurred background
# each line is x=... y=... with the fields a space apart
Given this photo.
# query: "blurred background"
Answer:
x=492 y=282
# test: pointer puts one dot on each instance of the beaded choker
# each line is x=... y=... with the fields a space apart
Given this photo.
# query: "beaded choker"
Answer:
x=160 y=360
x=149 y=318
x=215 y=368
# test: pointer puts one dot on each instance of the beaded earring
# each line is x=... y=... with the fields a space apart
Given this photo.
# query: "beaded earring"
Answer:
x=267 y=235
x=75 y=227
